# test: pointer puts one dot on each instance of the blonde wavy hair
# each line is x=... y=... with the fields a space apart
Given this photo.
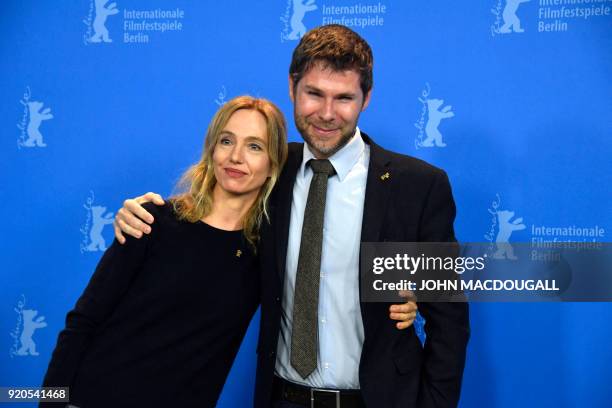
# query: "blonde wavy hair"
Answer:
x=195 y=200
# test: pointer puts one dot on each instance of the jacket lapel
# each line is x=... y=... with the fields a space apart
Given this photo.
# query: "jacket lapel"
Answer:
x=377 y=192
x=285 y=197
x=378 y=189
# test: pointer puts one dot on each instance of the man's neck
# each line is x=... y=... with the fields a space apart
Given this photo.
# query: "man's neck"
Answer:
x=320 y=155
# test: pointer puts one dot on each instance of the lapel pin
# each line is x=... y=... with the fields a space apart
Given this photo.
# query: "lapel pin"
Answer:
x=238 y=253
x=385 y=176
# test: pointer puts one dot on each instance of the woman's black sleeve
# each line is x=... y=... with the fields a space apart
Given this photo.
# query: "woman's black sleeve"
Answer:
x=109 y=283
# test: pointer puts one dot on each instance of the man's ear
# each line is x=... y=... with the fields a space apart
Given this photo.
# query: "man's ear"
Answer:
x=291 y=95
x=366 y=100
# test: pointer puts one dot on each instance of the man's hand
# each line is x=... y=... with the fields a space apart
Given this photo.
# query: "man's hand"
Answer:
x=130 y=217
x=405 y=313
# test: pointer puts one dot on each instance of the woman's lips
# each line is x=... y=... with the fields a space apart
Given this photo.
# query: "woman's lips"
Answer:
x=233 y=173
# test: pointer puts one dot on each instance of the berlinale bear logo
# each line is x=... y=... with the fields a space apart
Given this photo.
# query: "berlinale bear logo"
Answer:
x=298 y=29
x=99 y=22
x=97 y=242
x=28 y=347
x=37 y=115
x=433 y=112
x=506 y=228
x=31 y=119
x=299 y=10
x=434 y=117
x=97 y=218
x=511 y=22
x=502 y=227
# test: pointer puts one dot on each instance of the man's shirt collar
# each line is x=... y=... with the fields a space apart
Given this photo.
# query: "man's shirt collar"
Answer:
x=343 y=160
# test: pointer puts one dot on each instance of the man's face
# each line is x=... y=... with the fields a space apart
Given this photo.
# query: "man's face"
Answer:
x=326 y=108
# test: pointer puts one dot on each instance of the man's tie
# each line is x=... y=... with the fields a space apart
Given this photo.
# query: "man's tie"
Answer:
x=306 y=296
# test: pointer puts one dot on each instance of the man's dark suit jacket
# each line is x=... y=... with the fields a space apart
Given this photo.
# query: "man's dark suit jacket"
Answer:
x=413 y=204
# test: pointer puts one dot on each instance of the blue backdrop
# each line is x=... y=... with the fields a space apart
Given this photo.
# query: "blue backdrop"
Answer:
x=102 y=101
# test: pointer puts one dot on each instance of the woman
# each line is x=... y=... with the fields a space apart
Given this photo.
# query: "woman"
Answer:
x=162 y=318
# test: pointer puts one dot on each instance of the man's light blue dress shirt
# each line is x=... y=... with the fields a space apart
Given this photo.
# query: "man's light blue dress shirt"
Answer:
x=340 y=324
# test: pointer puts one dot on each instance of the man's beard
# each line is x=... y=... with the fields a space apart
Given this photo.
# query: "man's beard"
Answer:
x=324 y=151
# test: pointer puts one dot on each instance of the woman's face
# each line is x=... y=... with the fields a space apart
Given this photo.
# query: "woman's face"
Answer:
x=240 y=158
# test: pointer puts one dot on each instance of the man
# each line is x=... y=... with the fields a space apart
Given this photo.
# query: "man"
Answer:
x=349 y=355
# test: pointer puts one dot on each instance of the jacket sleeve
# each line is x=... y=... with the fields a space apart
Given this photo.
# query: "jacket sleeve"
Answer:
x=109 y=283
x=447 y=324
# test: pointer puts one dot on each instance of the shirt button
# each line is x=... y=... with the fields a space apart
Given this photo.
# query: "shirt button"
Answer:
x=326 y=365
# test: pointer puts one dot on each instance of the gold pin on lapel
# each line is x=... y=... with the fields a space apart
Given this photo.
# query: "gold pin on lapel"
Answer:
x=238 y=253
x=385 y=176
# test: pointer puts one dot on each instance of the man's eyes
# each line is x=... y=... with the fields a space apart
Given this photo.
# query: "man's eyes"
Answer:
x=341 y=98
